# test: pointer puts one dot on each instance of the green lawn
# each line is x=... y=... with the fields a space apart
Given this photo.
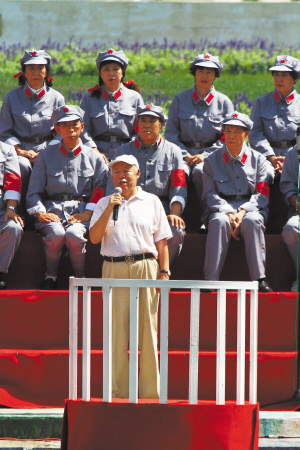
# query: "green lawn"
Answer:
x=167 y=82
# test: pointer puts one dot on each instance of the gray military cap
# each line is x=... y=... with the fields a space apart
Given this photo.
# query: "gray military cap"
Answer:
x=112 y=55
x=286 y=63
x=207 y=60
x=35 y=57
x=152 y=110
x=66 y=114
x=239 y=119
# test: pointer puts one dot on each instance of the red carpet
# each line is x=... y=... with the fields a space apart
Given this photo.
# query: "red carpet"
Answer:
x=148 y=425
x=34 y=347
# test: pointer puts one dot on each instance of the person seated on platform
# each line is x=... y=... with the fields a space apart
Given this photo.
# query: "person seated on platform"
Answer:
x=161 y=171
x=235 y=190
x=276 y=115
x=131 y=247
x=11 y=224
x=289 y=188
x=26 y=111
x=66 y=182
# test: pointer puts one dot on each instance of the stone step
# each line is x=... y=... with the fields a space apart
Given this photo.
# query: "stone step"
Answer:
x=28 y=444
x=274 y=444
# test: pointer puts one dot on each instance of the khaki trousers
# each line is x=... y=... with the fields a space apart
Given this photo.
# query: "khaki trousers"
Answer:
x=148 y=307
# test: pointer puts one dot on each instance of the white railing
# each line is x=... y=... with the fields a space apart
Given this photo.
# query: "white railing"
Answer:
x=134 y=285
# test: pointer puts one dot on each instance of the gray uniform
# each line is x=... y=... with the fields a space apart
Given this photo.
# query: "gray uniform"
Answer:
x=111 y=114
x=275 y=124
x=26 y=113
x=162 y=174
x=193 y=120
x=288 y=186
x=230 y=184
x=10 y=189
x=79 y=172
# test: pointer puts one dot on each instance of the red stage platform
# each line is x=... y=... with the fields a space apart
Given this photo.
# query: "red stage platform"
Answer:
x=149 y=425
x=34 y=347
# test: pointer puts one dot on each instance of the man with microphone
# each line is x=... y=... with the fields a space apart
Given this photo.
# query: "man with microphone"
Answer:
x=134 y=246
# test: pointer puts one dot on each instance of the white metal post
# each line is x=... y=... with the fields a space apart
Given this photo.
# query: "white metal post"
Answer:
x=253 y=346
x=73 y=339
x=240 y=363
x=86 y=344
x=107 y=343
x=133 y=345
x=194 y=346
x=164 y=344
x=221 y=347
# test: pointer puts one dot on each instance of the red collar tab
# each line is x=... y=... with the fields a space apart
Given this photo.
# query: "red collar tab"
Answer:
x=137 y=144
x=226 y=157
x=277 y=96
x=207 y=56
x=41 y=94
x=63 y=150
x=209 y=98
x=28 y=93
x=195 y=96
x=118 y=94
x=93 y=88
x=110 y=51
x=290 y=98
x=244 y=158
x=77 y=151
x=159 y=142
x=105 y=94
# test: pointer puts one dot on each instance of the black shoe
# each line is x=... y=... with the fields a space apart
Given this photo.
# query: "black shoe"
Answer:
x=263 y=286
x=48 y=285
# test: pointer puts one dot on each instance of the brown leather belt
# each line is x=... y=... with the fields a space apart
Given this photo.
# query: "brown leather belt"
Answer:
x=128 y=258
x=66 y=197
x=198 y=144
x=283 y=144
x=111 y=138
x=35 y=140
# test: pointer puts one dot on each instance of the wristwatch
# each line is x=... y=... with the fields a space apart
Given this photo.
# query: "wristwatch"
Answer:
x=12 y=208
x=166 y=271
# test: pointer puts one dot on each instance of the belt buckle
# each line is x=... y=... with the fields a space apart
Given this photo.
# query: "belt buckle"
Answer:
x=238 y=197
x=36 y=140
x=197 y=144
x=129 y=258
x=66 y=197
x=113 y=138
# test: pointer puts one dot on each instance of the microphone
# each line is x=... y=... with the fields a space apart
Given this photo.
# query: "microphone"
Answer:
x=118 y=190
x=298 y=140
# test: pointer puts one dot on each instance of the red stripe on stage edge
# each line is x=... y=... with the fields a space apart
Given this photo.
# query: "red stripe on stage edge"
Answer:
x=97 y=194
x=262 y=188
x=12 y=182
x=178 y=178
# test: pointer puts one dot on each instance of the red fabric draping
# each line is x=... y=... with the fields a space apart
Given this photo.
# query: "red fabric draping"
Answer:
x=146 y=425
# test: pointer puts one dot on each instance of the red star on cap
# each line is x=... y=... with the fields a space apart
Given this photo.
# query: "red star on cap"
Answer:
x=66 y=109
x=148 y=106
x=235 y=115
x=110 y=51
x=33 y=53
x=207 y=56
x=282 y=61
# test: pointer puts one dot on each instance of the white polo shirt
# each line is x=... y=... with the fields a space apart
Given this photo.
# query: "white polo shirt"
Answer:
x=142 y=221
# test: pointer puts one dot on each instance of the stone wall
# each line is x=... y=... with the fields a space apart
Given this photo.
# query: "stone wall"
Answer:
x=34 y=22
